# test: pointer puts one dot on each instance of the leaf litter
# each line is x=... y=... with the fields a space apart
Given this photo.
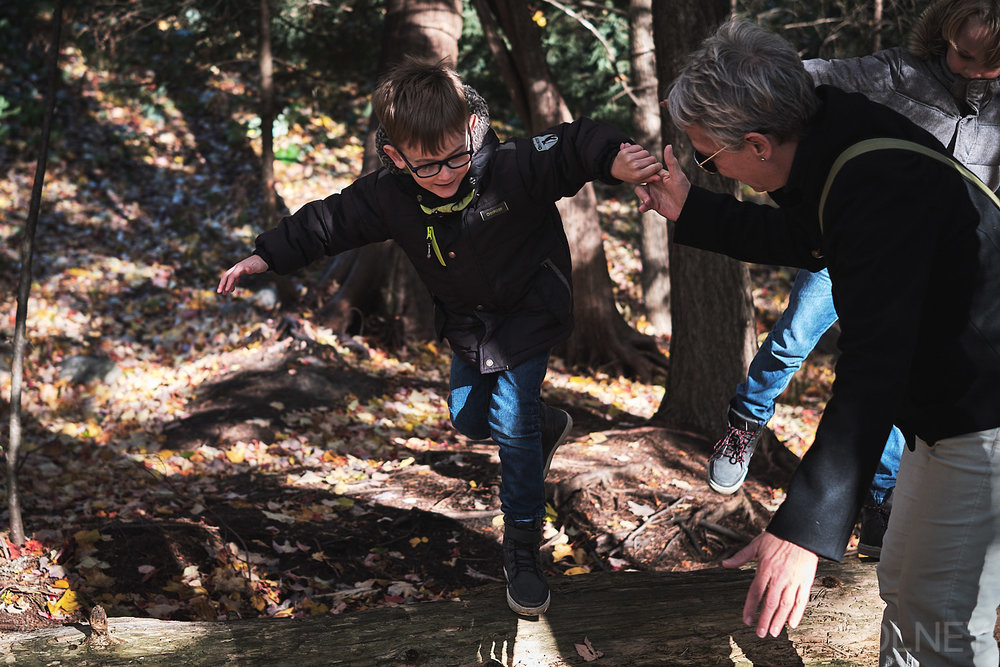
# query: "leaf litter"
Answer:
x=160 y=490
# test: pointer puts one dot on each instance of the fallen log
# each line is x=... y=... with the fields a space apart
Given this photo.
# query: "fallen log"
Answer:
x=637 y=619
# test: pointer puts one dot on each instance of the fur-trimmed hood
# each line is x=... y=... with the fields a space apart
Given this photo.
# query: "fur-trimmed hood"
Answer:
x=925 y=40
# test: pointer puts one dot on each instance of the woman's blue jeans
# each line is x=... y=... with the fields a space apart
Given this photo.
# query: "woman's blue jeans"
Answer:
x=506 y=406
x=809 y=314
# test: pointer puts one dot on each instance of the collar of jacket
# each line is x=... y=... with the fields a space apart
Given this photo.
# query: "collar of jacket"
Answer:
x=466 y=193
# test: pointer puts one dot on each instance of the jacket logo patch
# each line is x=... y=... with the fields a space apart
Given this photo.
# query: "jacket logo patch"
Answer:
x=544 y=142
x=496 y=210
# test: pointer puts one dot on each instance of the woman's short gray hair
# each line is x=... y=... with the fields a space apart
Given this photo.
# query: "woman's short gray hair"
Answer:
x=743 y=79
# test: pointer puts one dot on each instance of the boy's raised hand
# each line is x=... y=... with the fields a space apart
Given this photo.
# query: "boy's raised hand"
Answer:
x=634 y=164
x=666 y=193
x=231 y=278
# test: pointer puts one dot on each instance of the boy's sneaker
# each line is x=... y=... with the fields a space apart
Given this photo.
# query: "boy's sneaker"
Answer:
x=556 y=424
x=731 y=459
x=527 y=590
x=874 y=521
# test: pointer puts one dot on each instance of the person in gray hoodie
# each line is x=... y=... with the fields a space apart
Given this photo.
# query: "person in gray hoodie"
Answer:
x=945 y=82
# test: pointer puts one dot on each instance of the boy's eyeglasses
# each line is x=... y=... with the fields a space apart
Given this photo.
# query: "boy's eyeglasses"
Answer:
x=707 y=162
x=456 y=161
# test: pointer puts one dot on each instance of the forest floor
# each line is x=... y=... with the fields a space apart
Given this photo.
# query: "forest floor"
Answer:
x=187 y=456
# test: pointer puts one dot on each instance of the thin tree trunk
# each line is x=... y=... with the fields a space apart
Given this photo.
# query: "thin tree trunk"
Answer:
x=877 y=27
x=713 y=318
x=266 y=113
x=601 y=337
x=24 y=282
x=646 y=124
x=379 y=279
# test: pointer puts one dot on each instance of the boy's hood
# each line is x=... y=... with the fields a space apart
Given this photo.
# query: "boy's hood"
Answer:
x=477 y=105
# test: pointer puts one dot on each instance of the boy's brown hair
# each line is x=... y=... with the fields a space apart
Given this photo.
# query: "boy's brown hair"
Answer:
x=420 y=104
x=940 y=24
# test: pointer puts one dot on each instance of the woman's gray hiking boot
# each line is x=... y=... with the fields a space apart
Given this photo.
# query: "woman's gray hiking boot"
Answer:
x=527 y=590
x=730 y=462
x=556 y=424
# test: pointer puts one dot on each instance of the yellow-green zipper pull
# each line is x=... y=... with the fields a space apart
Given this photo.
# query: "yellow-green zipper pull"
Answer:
x=433 y=244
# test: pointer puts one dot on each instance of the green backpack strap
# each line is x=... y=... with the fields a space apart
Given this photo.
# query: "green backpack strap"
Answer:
x=901 y=144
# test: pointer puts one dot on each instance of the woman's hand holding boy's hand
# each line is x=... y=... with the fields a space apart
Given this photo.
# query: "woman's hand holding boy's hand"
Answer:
x=634 y=164
x=666 y=193
x=231 y=278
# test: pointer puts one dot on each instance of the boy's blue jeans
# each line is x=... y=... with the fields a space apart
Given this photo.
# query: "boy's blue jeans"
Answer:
x=809 y=314
x=506 y=406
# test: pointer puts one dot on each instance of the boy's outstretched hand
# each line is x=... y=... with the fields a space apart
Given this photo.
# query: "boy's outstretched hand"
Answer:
x=666 y=193
x=231 y=278
x=634 y=164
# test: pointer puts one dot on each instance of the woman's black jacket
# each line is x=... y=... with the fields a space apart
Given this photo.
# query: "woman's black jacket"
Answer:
x=913 y=251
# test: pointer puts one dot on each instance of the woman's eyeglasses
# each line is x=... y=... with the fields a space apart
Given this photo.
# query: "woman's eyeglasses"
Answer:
x=706 y=162
x=456 y=161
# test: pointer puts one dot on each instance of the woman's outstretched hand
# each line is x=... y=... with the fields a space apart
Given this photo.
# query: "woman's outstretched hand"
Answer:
x=668 y=192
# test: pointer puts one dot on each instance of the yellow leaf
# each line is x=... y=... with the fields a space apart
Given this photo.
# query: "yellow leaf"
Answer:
x=539 y=18
x=66 y=604
x=560 y=551
x=498 y=521
x=577 y=570
x=236 y=454
x=87 y=537
x=61 y=583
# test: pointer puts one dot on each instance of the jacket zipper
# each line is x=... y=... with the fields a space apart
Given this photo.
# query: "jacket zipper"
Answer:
x=432 y=244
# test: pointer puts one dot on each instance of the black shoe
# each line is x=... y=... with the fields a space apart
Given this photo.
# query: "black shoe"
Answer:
x=730 y=461
x=556 y=424
x=527 y=590
x=874 y=521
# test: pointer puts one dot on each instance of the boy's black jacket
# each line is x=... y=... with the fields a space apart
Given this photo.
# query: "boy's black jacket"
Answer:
x=914 y=255
x=502 y=285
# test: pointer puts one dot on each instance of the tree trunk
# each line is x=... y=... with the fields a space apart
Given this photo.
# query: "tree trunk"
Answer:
x=378 y=280
x=24 y=282
x=601 y=337
x=877 y=27
x=714 y=335
x=634 y=618
x=266 y=64
x=646 y=124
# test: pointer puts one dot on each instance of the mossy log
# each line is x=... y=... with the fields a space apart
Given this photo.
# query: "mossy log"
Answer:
x=641 y=618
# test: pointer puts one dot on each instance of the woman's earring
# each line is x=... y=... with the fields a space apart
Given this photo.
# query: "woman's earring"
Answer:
x=762 y=159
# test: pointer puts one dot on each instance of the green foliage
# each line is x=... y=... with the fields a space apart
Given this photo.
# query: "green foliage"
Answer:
x=586 y=67
x=6 y=111
x=589 y=68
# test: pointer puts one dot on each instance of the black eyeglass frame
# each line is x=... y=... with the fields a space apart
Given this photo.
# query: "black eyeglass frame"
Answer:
x=456 y=161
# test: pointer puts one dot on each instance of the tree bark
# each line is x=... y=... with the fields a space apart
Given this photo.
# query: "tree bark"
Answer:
x=646 y=124
x=635 y=618
x=266 y=64
x=601 y=338
x=378 y=280
x=24 y=281
x=714 y=335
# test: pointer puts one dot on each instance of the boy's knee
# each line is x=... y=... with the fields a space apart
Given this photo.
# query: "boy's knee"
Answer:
x=473 y=428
